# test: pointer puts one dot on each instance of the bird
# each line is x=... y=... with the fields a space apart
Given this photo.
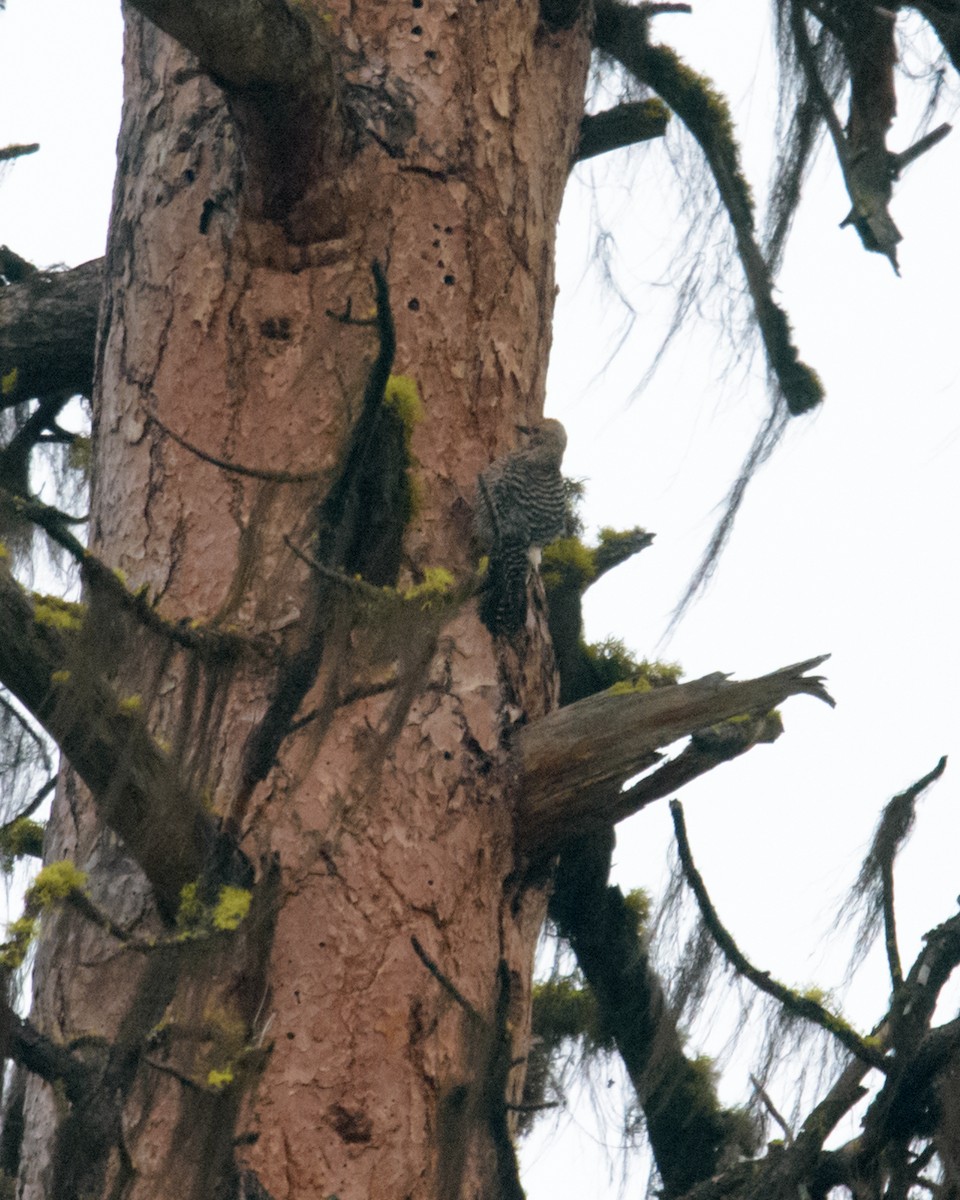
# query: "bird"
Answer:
x=520 y=507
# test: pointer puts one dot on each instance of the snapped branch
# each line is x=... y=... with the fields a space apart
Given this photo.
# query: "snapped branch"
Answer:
x=573 y=763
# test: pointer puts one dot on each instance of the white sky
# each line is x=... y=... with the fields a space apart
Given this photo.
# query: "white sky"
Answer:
x=846 y=542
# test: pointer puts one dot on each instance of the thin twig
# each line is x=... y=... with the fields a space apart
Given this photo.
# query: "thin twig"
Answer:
x=771 y=1108
x=444 y=982
x=235 y=468
x=803 y=1006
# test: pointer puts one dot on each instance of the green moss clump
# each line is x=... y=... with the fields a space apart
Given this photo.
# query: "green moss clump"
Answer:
x=21 y=837
x=196 y=919
x=436 y=587
x=190 y=911
x=638 y=902
x=52 y=885
x=567 y=562
x=57 y=613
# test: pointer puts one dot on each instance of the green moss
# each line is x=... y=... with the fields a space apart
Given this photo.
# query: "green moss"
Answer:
x=624 y=687
x=638 y=903
x=80 y=454
x=51 y=886
x=196 y=920
x=567 y=562
x=436 y=587
x=55 y=882
x=8 y=381
x=231 y=908
x=19 y=936
x=190 y=911
x=403 y=396
x=22 y=837
x=57 y=613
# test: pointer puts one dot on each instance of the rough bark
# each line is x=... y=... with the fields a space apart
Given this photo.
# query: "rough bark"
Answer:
x=318 y=1038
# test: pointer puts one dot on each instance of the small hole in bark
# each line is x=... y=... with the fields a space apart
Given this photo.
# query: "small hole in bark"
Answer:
x=417 y=3
x=436 y=244
x=209 y=207
x=291 y=1036
x=429 y=54
x=448 y=229
x=416 y=30
x=449 y=280
x=189 y=175
x=413 y=304
x=447 y=755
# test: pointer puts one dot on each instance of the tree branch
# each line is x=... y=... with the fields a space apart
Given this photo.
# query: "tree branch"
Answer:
x=572 y=763
x=247 y=45
x=624 y=125
x=802 y=1005
x=48 y=325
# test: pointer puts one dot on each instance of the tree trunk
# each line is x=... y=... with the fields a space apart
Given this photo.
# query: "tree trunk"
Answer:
x=362 y=1031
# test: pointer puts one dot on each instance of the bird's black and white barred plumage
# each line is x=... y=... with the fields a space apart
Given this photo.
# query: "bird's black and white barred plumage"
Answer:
x=521 y=506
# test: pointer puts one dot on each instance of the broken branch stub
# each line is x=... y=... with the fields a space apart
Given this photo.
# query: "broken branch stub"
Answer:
x=572 y=764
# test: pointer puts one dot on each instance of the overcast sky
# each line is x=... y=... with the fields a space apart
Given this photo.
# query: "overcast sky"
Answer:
x=846 y=542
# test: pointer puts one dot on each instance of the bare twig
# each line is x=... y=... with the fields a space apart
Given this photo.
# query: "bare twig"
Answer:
x=449 y=987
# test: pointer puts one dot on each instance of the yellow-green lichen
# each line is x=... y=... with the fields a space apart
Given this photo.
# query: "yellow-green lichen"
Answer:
x=218 y=1080
x=57 y=613
x=403 y=396
x=129 y=705
x=8 y=381
x=60 y=677
x=231 y=908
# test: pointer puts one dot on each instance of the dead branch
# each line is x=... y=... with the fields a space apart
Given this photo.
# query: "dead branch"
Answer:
x=572 y=764
x=247 y=44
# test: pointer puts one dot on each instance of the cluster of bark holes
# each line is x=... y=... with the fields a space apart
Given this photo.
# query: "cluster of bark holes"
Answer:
x=449 y=278
x=417 y=30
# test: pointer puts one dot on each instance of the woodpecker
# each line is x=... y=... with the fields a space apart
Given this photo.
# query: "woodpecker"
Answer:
x=520 y=508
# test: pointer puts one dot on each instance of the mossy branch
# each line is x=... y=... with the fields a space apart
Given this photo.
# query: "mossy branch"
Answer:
x=805 y=1006
x=621 y=31
x=624 y=125
x=135 y=785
